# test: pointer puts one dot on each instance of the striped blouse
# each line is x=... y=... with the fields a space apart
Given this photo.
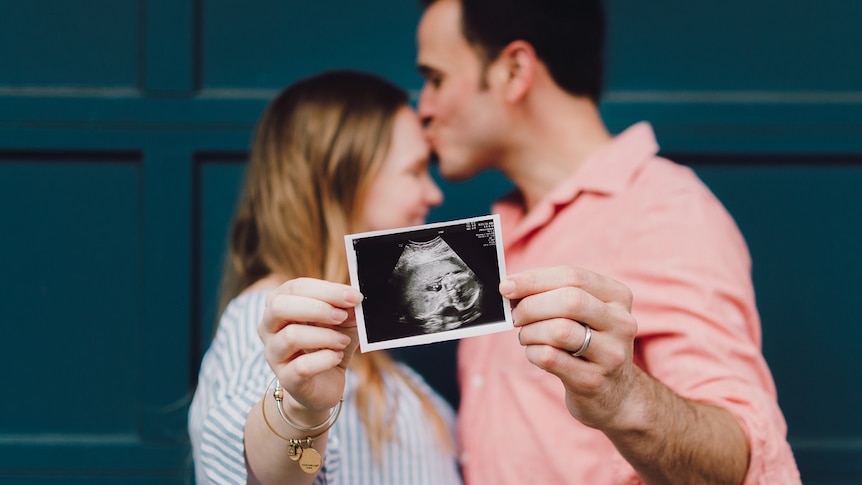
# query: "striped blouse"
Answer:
x=232 y=378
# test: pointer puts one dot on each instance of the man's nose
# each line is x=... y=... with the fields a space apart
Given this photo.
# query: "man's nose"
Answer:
x=424 y=108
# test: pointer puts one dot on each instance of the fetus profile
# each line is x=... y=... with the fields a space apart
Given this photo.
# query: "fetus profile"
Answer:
x=437 y=290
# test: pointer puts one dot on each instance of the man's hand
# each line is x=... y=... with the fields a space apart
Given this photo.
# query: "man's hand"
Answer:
x=666 y=438
x=553 y=307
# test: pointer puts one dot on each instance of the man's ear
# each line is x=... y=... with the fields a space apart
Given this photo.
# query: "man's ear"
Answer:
x=516 y=69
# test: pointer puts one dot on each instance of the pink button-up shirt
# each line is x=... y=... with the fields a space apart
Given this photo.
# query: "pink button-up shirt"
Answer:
x=652 y=225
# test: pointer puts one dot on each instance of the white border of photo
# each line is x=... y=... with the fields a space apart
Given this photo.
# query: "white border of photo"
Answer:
x=457 y=333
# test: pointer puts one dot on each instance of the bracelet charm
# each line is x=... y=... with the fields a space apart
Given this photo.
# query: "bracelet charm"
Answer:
x=309 y=460
x=300 y=450
x=294 y=451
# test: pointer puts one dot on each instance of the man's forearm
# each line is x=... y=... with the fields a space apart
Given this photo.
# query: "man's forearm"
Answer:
x=676 y=440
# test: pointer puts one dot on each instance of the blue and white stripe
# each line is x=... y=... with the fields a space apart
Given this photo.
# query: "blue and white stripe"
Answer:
x=232 y=377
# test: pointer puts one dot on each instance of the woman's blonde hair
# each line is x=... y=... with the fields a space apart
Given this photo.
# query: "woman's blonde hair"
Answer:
x=317 y=146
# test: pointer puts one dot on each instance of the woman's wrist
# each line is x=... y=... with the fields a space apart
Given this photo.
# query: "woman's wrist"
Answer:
x=295 y=413
x=299 y=448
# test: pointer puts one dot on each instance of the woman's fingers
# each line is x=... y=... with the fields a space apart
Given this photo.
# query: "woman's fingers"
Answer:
x=336 y=294
x=308 y=365
x=292 y=340
x=306 y=300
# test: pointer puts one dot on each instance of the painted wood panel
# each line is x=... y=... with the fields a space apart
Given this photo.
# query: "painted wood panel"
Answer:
x=123 y=132
x=265 y=44
x=59 y=43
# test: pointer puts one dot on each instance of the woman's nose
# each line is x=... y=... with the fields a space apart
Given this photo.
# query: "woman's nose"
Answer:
x=433 y=194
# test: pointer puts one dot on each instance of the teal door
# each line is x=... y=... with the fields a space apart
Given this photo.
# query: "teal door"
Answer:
x=123 y=132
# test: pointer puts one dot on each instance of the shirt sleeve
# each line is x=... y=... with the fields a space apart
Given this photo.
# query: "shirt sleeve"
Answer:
x=232 y=379
x=698 y=327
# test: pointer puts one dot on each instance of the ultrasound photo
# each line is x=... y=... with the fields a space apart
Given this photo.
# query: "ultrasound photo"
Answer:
x=429 y=283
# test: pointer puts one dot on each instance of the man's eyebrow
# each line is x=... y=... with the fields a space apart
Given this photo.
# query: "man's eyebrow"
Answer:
x=425 y=70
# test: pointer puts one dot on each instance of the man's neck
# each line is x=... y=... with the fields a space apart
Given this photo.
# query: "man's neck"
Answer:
x=556 y=138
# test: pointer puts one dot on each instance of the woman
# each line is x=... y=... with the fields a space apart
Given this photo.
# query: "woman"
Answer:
x=336 y=153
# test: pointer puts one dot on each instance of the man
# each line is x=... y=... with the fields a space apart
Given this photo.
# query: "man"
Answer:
x=662 y=371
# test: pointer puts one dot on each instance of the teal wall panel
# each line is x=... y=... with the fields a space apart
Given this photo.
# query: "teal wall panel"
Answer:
x=735 y=45
x=169 y=52
x=74 y=253
x=60 y=43
x=218 y=182
x=71 y=268
x=291 y=40
x=124 y=126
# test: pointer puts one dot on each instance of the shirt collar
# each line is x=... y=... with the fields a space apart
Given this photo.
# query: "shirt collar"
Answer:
x=607 y=170
x=610 y=168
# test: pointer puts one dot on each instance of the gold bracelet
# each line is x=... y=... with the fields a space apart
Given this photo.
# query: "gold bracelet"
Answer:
x=309 y=459
x=278 y=394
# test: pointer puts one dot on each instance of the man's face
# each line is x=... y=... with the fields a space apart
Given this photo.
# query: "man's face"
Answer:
x=462 y=117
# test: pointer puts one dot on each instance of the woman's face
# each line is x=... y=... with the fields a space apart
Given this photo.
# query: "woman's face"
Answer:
x=403 y=191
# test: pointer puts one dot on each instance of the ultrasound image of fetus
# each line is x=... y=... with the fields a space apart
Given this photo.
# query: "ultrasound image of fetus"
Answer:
x=438 y=290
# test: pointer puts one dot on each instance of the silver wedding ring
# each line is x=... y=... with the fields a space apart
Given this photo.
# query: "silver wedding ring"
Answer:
x=586 y=343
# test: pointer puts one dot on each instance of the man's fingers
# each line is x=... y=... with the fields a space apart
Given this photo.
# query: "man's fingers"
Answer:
x=540 y=280
x=571 y=303
x=562 y=333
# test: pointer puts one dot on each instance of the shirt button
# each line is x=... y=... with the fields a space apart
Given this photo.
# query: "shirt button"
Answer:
x=477 y=381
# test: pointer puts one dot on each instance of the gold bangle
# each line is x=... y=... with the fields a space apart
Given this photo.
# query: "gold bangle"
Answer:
x=300 y=450
x=279 y=396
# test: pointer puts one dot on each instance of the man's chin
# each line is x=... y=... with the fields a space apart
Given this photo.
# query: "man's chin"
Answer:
x=455 y=172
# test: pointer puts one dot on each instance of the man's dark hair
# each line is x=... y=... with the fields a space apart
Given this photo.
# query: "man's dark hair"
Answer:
x=567 y=35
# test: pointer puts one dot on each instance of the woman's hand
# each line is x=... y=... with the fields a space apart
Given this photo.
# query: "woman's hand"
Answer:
x=309 y=336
